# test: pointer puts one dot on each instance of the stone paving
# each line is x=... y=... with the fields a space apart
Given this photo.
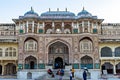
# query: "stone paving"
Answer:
x=48 y=77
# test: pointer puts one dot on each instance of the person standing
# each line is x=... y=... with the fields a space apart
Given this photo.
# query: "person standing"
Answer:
x=84 y=75
x=73 y=72
x=70 y=73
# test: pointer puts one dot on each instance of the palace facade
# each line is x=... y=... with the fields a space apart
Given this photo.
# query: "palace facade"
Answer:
x=59 y=39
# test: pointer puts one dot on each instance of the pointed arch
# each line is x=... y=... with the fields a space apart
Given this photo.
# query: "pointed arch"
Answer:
x=10 y=69
x=58 y=48
x=107 y=66
x=30 y=44
x=30 y=62
x=86 y=45
x=86 y=61
x=106 y=52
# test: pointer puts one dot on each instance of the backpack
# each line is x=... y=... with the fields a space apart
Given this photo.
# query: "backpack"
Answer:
x=62 y=72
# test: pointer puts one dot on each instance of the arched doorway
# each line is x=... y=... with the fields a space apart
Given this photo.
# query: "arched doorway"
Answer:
x=58 y=52
x=58 y=63
x=107 y=66
x=30 y=62
x=87 y=62
x=10 y=69
x=0 y=69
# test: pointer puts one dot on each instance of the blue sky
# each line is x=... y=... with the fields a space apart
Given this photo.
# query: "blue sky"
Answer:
x=109 y=10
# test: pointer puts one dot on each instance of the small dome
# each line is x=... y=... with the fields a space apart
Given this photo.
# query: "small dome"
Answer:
x=58 y=13
x=31 y=13
x=84 y=14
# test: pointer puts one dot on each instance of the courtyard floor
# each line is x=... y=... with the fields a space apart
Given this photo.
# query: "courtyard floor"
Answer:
x=14 y=78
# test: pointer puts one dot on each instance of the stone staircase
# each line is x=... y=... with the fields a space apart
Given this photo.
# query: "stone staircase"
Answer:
x=56 y=77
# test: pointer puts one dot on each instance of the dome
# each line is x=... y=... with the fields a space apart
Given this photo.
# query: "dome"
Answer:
x=84 y=14
x=58 y=13
x=31 y=13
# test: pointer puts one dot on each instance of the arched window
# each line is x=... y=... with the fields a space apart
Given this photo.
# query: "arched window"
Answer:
x=48 y=28
x=67 y=31
x=58 y=31
x=117 y=52
x=86 y=46
x=30 y=45
x=10 y=52
x=0 y=52
x=87 y=61
x=49 y=31
x=106 y=52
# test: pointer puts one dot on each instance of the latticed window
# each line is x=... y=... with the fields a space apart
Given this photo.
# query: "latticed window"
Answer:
x=0 y=52
x=14 y=52
x=10 y=52
x=106 y=52
x=117 y=52
x=31 y=45
x=86 y=46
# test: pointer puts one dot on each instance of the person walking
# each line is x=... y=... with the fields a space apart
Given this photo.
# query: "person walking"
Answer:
x=84 y=75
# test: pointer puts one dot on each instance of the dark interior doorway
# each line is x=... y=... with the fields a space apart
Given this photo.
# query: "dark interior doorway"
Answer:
x=32 y=65
x=58 y=63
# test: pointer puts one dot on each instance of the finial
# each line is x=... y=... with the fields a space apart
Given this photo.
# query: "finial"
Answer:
x=66 y=9
x=83 y=8
x=49 y=9
x=57 y=9
x=32 y=9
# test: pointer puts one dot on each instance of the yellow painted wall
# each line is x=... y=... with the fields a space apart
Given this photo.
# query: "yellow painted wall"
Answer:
x=3 y=46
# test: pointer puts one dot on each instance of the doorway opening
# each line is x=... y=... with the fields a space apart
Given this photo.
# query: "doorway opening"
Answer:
x=58 y=63
x=32 y=65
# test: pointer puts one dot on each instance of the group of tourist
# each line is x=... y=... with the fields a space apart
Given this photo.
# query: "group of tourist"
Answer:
x=60 y=73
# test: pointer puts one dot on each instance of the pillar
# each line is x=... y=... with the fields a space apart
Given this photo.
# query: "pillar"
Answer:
x=27 y=26
x=83 y=26
x=32 y=26
x=62 y=27
x=53 y=27
x=114 y=69
x=3 y=69
x=89 y=26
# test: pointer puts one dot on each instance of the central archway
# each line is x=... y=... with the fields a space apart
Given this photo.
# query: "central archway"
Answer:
x=58 y=53
x=58 y=63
